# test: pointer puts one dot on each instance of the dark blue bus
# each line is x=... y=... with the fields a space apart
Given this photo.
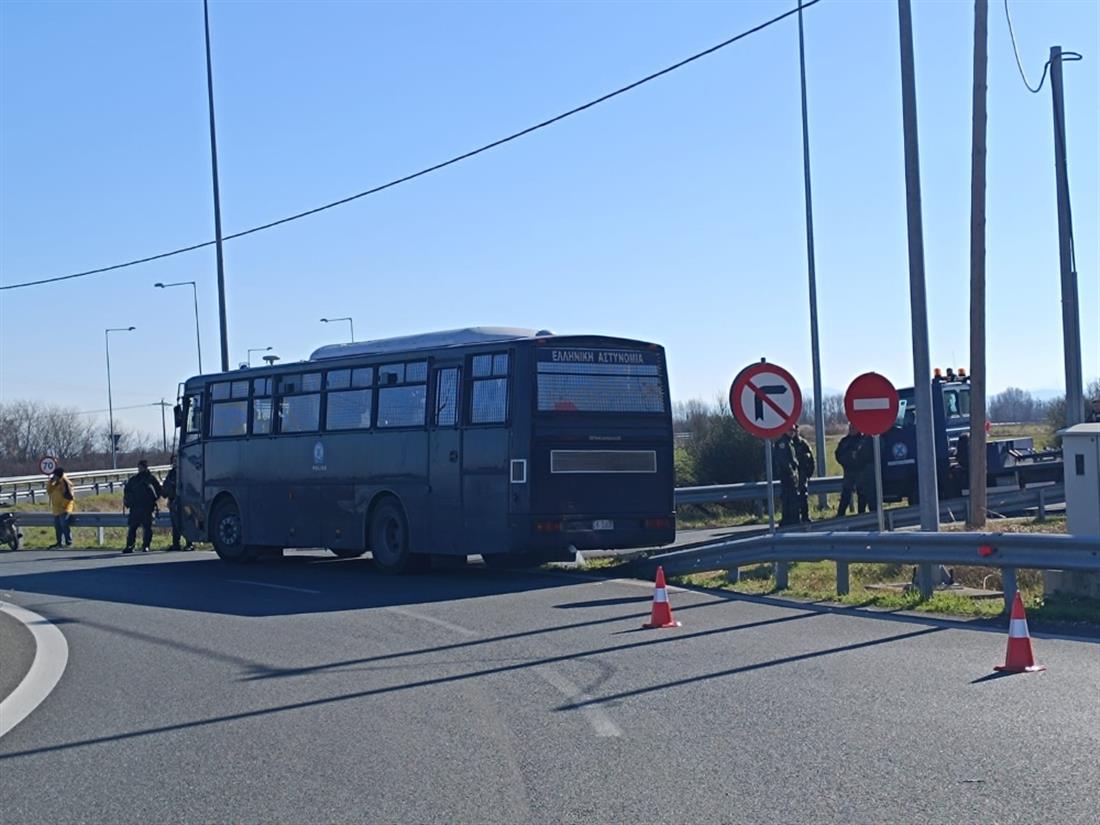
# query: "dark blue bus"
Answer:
x=517 y=445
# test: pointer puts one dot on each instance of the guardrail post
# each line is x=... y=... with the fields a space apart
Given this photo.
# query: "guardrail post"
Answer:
x=1041 y=516
x=32 y=496
x=925 y=581
x=111 y=485
x=889 y=521
x=733 y=575
x=95 y=487
x=842 y=578
x=781 y=570
x=99 y=535
x=1008 y=577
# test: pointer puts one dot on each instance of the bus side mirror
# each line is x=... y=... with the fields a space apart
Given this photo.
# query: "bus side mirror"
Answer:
x=179 y=415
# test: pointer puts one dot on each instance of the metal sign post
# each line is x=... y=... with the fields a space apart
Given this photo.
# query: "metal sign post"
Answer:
x=878 y=483
x=766 y=400
x=771 y=484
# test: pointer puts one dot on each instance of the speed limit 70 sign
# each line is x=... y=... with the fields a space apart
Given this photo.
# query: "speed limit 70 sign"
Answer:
x=47 y=465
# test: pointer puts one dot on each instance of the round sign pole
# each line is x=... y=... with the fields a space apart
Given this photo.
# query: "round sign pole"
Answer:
x=878 y=483
x=771 y=484
x=766 y=401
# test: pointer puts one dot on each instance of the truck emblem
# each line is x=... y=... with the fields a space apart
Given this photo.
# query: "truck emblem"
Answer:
x=899 y=450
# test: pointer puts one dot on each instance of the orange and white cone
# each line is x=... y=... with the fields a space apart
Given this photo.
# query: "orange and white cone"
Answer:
x=662 y=610
x=1018 y=658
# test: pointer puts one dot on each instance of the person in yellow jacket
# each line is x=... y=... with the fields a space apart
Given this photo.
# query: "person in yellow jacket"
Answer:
x=60 y=491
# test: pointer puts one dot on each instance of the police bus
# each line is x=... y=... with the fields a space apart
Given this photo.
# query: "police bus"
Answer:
x=517 y=445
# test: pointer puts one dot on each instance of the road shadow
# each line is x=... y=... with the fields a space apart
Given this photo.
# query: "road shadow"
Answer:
x=296 y=584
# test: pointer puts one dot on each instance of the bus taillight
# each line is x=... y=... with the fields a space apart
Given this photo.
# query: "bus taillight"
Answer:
x=548 y=526
x=657 y=523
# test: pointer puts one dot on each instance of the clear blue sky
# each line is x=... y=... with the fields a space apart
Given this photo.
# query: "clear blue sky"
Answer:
x=673 y=213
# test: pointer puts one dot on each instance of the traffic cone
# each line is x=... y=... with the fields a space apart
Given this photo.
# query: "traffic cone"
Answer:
x=1018 y=658
x=662 y=610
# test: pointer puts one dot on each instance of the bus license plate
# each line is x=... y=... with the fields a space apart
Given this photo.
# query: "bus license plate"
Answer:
x=603 y=524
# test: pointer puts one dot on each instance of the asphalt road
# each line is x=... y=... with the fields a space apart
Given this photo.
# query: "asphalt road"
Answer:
x=314 y=690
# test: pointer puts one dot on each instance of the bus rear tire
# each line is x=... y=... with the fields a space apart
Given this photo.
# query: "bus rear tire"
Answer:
x=389 y=540
x=227 y=532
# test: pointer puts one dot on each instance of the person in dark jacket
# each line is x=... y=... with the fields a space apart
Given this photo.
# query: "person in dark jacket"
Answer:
x=168 y=487
x=846 y=458
x=140 y=496
x=865 y=468
x=804 y=458
x=785 y=468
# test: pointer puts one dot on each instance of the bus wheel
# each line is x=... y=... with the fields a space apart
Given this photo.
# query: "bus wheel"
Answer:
x=227 y=533
x=389 y=540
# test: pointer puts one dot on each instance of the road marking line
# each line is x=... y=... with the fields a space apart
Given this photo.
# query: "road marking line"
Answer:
x=273 y=586
x=412 y=614
x=595 y=715
x=51 y=655
x=871 y=404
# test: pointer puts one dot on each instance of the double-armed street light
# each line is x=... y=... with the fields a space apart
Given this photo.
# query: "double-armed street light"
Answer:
x=351 y=324
x=195 y=293
x=110 y=402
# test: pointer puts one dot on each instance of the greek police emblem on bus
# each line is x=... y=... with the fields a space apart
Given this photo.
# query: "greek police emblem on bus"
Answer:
x=319 y=457
x=629 y=380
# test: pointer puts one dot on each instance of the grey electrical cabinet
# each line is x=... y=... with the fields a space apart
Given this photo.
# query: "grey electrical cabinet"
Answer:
x=1081 y=454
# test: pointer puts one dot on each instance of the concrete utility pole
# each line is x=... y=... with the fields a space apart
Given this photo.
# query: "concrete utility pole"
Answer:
x=217 y=198
x=1071 y=323
x=815 y=350
x=977 y=458
x=922 y=369
x=163 y=426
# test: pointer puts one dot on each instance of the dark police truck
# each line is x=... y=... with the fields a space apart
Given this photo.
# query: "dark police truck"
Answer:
x=517 y=445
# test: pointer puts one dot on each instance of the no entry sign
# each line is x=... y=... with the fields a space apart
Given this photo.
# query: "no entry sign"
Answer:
x=871 y=403
x=47 y=465
x=765 y=399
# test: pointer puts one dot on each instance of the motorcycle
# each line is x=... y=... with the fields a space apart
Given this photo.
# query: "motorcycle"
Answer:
x=9 y=531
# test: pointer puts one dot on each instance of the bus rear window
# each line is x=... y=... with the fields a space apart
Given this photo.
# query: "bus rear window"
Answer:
x=601 y=381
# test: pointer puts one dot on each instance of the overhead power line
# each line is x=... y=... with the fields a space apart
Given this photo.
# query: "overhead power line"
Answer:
x=1066 y=57
x=434 y=168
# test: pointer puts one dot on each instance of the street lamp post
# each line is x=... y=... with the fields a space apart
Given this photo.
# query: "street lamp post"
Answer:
x=195 y=294
x=257 y=349
x=351 y=324
x=110 y=402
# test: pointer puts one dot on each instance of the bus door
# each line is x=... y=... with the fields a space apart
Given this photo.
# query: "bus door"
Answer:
x=191 y=467
x=445 y=462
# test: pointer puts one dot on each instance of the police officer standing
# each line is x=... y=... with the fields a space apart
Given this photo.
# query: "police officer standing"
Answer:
x=804 y=458
x=168 y=487
x=846 y=458
x=140 y=495
x=785 y=468
x=865 y=474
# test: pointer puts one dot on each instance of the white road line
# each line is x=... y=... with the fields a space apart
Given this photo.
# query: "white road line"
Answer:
x=51 y=654
x=273 y=586
x=412 y=614
x=600 y=721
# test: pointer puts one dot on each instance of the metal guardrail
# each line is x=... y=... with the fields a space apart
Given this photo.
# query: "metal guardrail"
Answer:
x=78 y=519
x=85 y=482
x=1008 y=551
x=749 y=491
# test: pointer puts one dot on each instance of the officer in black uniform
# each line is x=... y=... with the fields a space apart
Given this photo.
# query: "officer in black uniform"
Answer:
x=140 y=496
x=846 y=458
x=168 y=487
x=804 y=458
x=785 y=468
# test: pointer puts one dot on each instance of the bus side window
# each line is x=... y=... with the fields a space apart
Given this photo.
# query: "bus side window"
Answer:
x=951 y=403
x=193 y=430
x=489 y=389
x=446 y=397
